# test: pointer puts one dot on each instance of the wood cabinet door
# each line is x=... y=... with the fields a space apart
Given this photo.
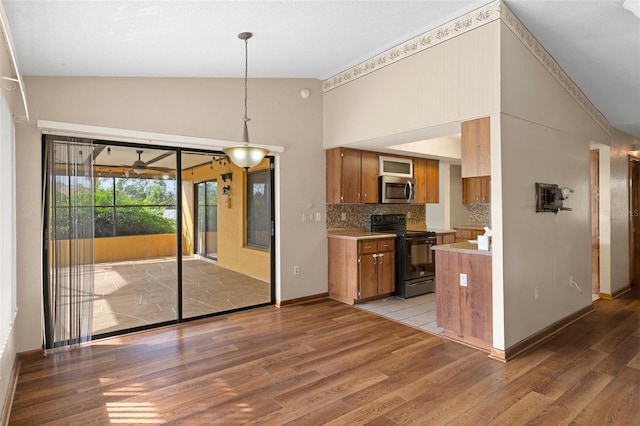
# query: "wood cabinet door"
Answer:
x=350 y=182
x=432 y=183
x=470 y=191
x=386 y=273
x=367 y=275
x=334 y=175
x=485 y=189
x=420 y=176
x=369 y=177
x=475 y=148
x=448 y=238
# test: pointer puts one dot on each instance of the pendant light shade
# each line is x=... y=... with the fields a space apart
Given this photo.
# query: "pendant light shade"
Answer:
x=246 y=155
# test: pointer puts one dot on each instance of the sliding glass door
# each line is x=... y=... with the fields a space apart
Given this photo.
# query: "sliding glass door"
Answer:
x=152 y=236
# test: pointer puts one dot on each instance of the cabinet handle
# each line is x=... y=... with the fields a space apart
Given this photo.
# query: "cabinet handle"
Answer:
x=375 y=259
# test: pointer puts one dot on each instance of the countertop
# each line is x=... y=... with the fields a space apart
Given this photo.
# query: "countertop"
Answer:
x=475 y=227
x=463 y=247
x=358 y=234
x=425 y=228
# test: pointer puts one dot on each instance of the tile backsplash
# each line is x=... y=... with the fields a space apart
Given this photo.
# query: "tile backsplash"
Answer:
x=479 y=213
x=359 y=215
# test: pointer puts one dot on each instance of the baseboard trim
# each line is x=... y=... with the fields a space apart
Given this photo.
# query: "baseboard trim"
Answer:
x=11 y=391
x=319 y=296
x=615 y=294
x=541 y=336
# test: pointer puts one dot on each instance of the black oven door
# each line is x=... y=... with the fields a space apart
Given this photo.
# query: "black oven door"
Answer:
x=419 y=258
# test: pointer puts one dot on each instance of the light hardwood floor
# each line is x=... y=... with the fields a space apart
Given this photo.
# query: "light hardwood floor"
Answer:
x=327 y=363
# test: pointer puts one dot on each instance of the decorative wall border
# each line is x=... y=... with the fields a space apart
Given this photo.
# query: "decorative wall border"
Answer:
x=472 y=20
x=461 y=25
x=517 y=27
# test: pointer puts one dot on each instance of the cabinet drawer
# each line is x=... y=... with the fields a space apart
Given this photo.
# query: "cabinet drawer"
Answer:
x=463 y=234
x=367 y=246
x=386 y=245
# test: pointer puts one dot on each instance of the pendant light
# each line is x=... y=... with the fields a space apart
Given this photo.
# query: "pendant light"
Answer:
x=245 y=155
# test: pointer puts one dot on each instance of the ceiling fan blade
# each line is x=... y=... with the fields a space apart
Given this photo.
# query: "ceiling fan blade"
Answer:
x=160 y=157
x=161 y=169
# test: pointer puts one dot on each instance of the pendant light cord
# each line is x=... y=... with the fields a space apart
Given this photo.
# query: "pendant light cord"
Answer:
x=246 y=74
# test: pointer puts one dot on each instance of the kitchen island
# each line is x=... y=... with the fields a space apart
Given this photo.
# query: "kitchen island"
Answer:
x=463 y=296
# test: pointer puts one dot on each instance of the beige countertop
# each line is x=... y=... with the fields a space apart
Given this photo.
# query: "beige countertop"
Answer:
x=475 y=227
x=426 y=228
x=358 y=235
x=463 y=247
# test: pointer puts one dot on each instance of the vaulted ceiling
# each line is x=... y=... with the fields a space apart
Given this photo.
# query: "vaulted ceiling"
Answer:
x=596 y=42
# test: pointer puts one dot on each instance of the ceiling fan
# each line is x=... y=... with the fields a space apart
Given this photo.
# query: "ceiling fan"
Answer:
x=140 y=166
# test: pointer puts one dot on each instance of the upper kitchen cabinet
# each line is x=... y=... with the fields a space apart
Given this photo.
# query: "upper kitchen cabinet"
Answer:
x=369 y=177
x=427 y=176
x=475 y=148
x=476 y=190
x=352 y=176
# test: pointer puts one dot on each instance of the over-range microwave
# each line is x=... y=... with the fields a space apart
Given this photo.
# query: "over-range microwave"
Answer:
x=394 y=189
x=395 y=166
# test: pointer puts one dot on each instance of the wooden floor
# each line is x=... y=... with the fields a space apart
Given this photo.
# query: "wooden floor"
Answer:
x=324 y=362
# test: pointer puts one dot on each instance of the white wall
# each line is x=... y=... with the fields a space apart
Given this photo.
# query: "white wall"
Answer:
x=447 y=83
x=438 y=215
x=545 y=137
x=8 y=281
x=459 y=213
x=209 y=108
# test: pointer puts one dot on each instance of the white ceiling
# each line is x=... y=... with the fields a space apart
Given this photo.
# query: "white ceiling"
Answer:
x=596 y=42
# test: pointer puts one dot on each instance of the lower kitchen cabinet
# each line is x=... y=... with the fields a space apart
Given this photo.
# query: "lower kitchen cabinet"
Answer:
x=465 y=234
x=361 y=269
x=446 y=238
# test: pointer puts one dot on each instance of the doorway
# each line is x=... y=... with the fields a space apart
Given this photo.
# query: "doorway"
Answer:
x=595 y=222
x=207 y=219
x=634 y=220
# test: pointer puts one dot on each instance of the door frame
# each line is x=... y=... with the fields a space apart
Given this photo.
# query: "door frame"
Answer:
x=634 y=250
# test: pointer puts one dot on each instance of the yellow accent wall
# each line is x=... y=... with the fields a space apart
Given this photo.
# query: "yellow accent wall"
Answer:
x=232 y=252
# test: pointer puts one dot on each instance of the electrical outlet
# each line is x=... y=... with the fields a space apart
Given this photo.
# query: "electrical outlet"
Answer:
x=463 y=280
x=536 y=293
x=343 y=216
x=296 y=270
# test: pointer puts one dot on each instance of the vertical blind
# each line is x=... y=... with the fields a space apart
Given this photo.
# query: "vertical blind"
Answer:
x=8 y=303
x=68 y=243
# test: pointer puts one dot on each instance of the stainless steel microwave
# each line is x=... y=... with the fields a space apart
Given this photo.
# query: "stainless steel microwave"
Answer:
x=394 y=189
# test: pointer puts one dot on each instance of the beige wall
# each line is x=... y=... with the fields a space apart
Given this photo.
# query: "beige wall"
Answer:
x=207 y=108
x=545 y=137
x=450 y=82
x=232 y=253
